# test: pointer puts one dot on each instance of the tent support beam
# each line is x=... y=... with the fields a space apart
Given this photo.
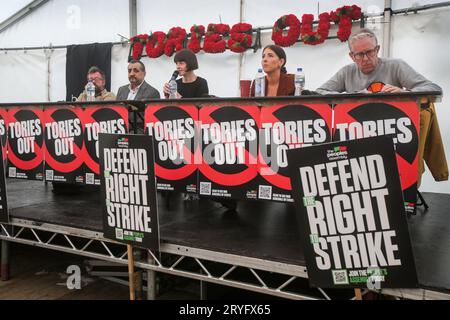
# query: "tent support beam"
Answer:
x=387 y=29
x=19 y=15
x=133 y=17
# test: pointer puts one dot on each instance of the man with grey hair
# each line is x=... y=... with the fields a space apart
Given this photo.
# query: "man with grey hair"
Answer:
x=389 y=75
x=98 y=78
x=370 y=74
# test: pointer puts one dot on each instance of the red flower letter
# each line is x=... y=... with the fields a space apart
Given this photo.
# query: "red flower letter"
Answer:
x=310 y=37
x=137 y=43
x=344 y=16
x=290 y=21
x=174 y=41
x=213 y=39
x=240 y=37
x=197 y=33
x=155 y=44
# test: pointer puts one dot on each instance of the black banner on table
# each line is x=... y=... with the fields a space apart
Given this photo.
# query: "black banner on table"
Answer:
x=26 y=143
x=63 y=144
x=354 y=229
x=128 y=189
x=174 y=131
x=285 y=127
x=399 y=120
x=4 y=132
x=4 y=217
x=100 y=119
x=229 y=138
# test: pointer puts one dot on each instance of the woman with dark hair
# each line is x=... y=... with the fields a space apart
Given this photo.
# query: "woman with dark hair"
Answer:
x=278 y=82
x=189 y=85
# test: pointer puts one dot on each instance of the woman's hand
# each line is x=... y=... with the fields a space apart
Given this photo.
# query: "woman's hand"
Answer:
x=166 y=89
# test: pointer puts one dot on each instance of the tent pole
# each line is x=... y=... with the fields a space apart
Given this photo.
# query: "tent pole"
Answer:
x=386 y=52
x=241 y=55
x=133 y=18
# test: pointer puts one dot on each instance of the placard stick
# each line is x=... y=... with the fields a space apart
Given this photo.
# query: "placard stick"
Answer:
x=358 y=294
x=130 y=270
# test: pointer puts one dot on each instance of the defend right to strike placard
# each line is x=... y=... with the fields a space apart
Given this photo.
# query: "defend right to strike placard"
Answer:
x=354 y=228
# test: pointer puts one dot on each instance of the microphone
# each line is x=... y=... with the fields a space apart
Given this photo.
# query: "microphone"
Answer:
x=174 y=75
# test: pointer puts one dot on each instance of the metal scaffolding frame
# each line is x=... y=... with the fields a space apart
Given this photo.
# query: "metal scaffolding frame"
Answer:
x=92 y=244
x=204 y=265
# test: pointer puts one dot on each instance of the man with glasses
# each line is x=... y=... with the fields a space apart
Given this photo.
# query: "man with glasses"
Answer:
x=389 y=75
x=370 y=74
x=97 y=76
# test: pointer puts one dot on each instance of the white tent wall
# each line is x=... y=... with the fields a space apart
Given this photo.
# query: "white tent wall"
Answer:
x=423 y=41
x=23 y=76
x=266 y=12
x=57 y=74
x=402 y=4
x=64 y=22
x=119 y=58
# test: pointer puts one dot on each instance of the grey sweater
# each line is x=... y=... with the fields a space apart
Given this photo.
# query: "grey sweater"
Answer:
x=395 y=72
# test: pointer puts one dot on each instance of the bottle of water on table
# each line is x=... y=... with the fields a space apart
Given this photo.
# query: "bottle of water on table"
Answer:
x=299 y=81
x=173 y=86
x=260 y=84
x=90 y=91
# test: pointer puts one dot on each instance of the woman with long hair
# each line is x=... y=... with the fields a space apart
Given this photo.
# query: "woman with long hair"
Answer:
x=278 y=81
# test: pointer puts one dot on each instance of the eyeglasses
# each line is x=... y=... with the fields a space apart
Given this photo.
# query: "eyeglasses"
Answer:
x=95 y=79
x=369 y=53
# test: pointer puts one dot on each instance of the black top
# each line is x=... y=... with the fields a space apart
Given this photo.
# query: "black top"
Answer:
x=196 y=89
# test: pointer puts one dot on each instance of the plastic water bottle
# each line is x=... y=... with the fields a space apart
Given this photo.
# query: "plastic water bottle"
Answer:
x=173 y=88
x=260 y=84
x=299 y=82
x=90 y=91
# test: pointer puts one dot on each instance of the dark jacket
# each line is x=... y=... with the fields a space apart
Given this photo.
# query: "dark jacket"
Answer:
x=145 y=92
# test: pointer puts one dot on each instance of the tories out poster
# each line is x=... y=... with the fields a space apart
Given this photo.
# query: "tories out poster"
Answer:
x=398 y=120
x=175 y=133
x=100 y=119
x=63 y=137
x=128 y=189
x=229 y=142
x=4 y=217
x=285 y=127
x=25 y=143
x=4 y=131
x=354 y=229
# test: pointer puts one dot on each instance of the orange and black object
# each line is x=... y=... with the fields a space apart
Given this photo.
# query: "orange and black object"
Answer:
x=375 y=87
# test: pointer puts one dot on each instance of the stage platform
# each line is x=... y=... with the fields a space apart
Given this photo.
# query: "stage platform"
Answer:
x=260 y=230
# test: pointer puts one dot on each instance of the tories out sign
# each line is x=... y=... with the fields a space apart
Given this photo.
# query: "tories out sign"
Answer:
x=3 y=202
x=284 y=127
x=354 y=229
x=229 y=140
x=4 y=131
x=25 y=143
x=398 y=120
x=128 y=189
x=100 y=119
x=63 y=138
x=174 y=129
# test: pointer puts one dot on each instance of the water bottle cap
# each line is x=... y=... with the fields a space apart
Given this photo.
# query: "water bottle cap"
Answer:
x=299 y=69
x=259 y=69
